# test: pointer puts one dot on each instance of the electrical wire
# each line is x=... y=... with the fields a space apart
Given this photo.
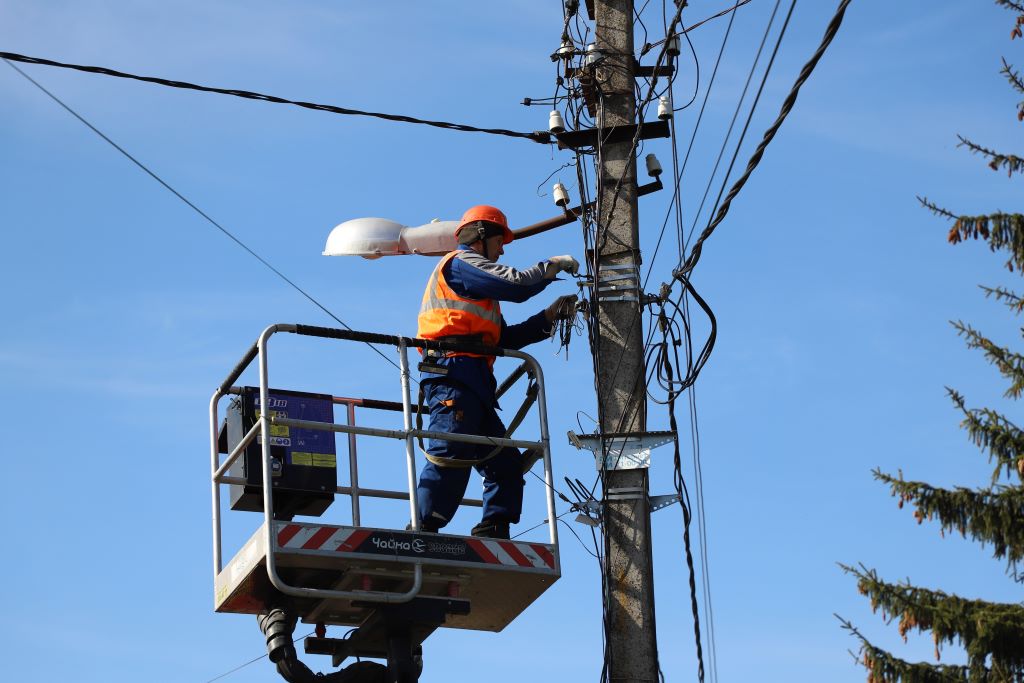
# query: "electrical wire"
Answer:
x=666 y=380
x=252 y=661
x=650 y=46
x=707 y=592
x=538 y=136
x=830 y=32
x=755 y=159
x=584 y=545
x=735 y=115
x=540 y=524
x=709 y=612
x=195 y=208
x=631 y=404
x=691 y=395
x=568 y=325
x=676 y=197
x=681 y=273
x=696 y=80
x=591 y=227
x=685 y=503
x=679 y=170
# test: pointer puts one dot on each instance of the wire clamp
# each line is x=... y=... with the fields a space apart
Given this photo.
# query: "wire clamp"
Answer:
x=621 y=450
x=618 y=282
x=626 y=493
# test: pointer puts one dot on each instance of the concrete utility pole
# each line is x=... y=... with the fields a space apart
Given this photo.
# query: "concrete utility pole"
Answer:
x=633 y=648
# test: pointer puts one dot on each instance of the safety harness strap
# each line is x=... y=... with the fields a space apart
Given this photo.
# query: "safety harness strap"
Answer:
x=440 y=461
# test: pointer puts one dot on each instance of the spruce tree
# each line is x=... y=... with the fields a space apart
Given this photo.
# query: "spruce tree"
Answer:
x=992 y=634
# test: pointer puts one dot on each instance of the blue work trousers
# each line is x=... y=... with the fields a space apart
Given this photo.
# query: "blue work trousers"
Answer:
x=456 y=410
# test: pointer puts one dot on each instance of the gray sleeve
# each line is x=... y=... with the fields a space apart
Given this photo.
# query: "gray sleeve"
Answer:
x=531 y=276
x=477 y=277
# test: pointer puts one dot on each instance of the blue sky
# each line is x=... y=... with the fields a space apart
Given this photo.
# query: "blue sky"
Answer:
x=833 y=292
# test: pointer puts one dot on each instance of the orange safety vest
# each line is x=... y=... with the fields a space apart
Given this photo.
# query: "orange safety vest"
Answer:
x=444 y=313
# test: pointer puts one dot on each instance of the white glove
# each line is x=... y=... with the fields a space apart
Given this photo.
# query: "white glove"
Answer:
x=561 y=308
x=562 y=263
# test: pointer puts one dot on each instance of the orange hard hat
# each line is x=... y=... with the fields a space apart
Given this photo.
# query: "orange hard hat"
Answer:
x=483 y=214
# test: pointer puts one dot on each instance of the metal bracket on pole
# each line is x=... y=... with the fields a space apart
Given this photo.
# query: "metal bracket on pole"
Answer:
x=622 y=450
x=639 y=71
x=595 y=507
x=659 y=502
x=589 y=137
x=622 y=280
x=630 y=493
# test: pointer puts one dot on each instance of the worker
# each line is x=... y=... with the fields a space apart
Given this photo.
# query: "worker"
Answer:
x=460 y=304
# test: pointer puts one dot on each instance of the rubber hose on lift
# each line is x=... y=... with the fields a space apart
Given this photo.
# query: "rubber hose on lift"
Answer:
x=277 y=625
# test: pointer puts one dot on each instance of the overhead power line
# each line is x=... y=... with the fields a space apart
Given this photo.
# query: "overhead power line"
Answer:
x=192 y=206
x=755 y=158
x=682 y=32
x=253 y=661
x=678 y=171
x=736 y=113
x=538 y=136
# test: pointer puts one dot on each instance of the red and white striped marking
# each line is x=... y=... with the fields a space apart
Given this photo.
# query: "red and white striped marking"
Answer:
x=347 y=540
x=299 y=537
x=513 y=554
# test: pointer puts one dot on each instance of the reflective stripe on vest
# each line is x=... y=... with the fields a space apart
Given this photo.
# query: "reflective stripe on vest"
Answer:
x=444 y=313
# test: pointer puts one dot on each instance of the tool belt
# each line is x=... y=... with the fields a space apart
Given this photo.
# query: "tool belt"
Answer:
x=429 y=366
x=454 y=339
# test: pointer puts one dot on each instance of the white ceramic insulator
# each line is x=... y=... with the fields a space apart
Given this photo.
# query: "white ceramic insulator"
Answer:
x=673 y=46
x=664 y=108
x=555 y=122
x=561 y=195
x=653 y=166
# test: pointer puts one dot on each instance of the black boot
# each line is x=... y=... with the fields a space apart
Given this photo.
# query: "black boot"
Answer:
x=429 y=526
x=491 y=528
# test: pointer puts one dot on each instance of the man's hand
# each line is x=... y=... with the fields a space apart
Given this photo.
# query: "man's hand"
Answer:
x=561 y=308
x=557 y=264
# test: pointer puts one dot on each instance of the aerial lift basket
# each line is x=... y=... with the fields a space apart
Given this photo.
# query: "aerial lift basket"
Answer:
x=342 y=574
